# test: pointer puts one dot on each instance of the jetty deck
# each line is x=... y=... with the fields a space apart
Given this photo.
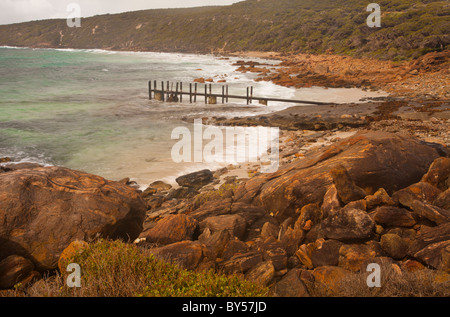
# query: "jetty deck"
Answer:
x=173 y=92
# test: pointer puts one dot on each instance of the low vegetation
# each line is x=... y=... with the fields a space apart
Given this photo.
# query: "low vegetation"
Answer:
x=408 y=29
x=118 y=269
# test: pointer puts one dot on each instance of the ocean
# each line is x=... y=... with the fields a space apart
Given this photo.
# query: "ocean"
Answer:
x=89 y=110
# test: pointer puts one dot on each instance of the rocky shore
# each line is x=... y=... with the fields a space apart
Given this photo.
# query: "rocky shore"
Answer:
x=342 y=198
x=425 y=77
x=357 y=184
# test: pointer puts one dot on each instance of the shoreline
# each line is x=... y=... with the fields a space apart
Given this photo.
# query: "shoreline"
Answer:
x=328 y=117
x=413 y=79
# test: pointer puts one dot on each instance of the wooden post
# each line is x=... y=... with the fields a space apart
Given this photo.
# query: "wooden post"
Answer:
x=223 y=94
x=195 y=94
x=168 y=91
x=190 y=92
x=181 y=92
x=251 y=94
x=227 y=93
x=247 y=96
x=149 y=90
x=162 y=90
x=176 y=94
x=206 y=94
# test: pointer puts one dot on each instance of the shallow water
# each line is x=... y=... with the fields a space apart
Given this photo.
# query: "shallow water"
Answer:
x=89 y=109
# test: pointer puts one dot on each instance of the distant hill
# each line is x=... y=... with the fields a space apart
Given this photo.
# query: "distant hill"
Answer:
x=408 y=29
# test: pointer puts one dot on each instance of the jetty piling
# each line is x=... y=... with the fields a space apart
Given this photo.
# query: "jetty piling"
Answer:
x=167 y=93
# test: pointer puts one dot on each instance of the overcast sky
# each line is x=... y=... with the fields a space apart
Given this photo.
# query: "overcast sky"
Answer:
x=14 y=11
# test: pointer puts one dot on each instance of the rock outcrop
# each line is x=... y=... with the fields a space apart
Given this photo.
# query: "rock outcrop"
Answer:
x=325 y=216
x=44 y=209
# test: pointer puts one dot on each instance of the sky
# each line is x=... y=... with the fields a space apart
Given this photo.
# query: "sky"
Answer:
x=14 y=11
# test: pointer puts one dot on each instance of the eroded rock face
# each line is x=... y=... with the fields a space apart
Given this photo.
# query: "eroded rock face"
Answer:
x=44 y=209
x=373 y=160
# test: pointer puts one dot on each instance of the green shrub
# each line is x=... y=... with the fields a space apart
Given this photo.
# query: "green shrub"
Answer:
x=118 y=269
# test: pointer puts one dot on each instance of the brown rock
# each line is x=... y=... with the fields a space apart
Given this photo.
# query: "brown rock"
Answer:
x=196 y=180
x=292 y=239
x=72 y=249
x=445 y=259
x=431 y=255
x=173 y=228
x=304 y=254
x=290 y=285
x=360 y=204
x=381 y=197
x=154 y=202
x=262 y=274
x=347 y=190
x=217 y=241
x=241 y=262
x=212 y=208
x=13 y=270
x=199 y=80
x=330 y=276
x=412 y=266
x=438 y=173
x=431 y=235
x=270 y=230
x=160 y=186
x=433 y=213
x=233 y=247
x=235 y=224
x=272 y=250
x=393 y=216
x=327 y=254
x=187 y=254
x=421 y=191
x=428 y=246
x=352 y=256
x=394 y=246
x=19 y=166
x=43 y=209
x=331 y=203
x=182 y=192
x=310 y=215
x=373 y=160
x=348 y=224
x=443 y=200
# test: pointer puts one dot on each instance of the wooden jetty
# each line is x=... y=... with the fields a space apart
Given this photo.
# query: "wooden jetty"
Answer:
x=170 y=92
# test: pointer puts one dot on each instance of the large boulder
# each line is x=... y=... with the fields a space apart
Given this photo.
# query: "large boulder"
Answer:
x=372 y=159
x=44 y=209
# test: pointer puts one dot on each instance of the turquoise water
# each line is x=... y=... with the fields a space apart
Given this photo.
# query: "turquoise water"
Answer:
x=89 y=109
